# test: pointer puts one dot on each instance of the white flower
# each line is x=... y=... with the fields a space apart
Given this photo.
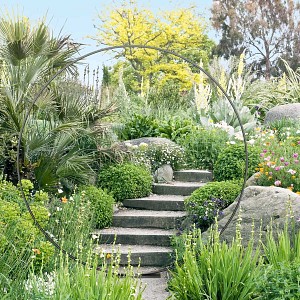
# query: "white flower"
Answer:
x=60 y=191
x=58 y=208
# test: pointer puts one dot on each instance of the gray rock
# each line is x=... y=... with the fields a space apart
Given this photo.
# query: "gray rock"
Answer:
x=261 y=206
x=150 y=140
x=252 y=180
x=163 y=174
x=286 y=111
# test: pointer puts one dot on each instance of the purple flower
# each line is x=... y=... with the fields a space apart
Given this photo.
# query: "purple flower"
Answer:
x=277 y=182
x=282 y=159
x=286 y=163
x=296 y=161
x=265 y=151
x=295 y=155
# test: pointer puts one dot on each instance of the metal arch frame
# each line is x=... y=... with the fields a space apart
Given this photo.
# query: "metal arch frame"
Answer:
x=37 y=224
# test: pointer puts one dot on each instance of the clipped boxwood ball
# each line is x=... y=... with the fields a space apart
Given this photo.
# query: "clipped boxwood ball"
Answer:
x=101 y=203
x=126 y=181
x=231 y=162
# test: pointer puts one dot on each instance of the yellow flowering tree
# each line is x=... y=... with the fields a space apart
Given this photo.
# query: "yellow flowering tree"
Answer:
x=181 y=30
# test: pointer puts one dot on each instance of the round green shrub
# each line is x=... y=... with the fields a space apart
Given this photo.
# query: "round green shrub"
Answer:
x=207 y=202
x=231 y=162
x=101 y=203
x=126 y=181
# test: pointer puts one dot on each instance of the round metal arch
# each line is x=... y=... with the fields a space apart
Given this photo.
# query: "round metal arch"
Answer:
x=190 y=62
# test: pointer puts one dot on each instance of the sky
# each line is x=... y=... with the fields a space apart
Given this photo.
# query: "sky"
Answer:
x=78 y=17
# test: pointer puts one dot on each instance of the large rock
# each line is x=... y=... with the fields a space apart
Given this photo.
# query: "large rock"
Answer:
x=164 y=174
x=263 y=206
x=126 y=145
x=150 y=141
x=286 y=111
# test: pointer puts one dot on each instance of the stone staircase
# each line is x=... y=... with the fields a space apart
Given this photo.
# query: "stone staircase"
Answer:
x=145 y=225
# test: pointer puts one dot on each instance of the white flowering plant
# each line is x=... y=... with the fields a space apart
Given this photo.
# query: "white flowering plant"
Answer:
x=156 y=155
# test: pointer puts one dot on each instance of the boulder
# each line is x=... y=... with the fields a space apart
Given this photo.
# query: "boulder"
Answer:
x=286 y=111
x=252 y=180
x=150 y=141
x=163 y=174
x=261 y=206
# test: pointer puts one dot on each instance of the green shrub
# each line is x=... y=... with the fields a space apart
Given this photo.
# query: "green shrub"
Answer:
x=202 y=146
x=138 y=126
x=207 y=202
x=101 y=204
x=279 y=282
x=126 y=181
x=231 y=162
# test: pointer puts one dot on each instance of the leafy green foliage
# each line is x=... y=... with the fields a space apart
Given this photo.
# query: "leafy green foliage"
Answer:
x=126 y=181
x=202 y=146
x=215 y=270
x=138 y=126
x=231 y=162
x=19 y=235
x=207 y=202
x=101 y=204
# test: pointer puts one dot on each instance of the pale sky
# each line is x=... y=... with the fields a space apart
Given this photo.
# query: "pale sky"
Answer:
x=77 y=17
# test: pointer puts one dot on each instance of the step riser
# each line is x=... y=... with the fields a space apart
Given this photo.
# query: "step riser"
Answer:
x=193 y=177
x=173 y=190
x=154 y=204
x=161 y=259
x=147 y=222
x=154 y=240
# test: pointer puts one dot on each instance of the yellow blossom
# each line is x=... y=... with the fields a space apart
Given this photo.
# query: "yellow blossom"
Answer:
x=36 y=251
x=64 y=199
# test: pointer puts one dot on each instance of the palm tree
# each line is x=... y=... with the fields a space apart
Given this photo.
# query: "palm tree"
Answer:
x=51 y=149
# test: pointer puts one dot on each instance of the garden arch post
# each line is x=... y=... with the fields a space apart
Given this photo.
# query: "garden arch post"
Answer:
x=190 y=62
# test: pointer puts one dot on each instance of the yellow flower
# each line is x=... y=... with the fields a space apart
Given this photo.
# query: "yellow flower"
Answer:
x=260 y=165
x=36 y=251
x=64 y=199
x=290 y=188
x=261 y=170
x=298 y=193
x=108 y=255
x=293 y=176
x=270 y=177
x=267 y=173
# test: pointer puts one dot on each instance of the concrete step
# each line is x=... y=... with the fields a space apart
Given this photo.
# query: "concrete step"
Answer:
x=176 y=188
x=193 y=176
x=144 y=255
x=134 y=236
x=157 y=202
x=148 y=218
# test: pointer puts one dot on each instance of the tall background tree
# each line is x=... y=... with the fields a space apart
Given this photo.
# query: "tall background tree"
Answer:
x=181 y=30
x=266 y=30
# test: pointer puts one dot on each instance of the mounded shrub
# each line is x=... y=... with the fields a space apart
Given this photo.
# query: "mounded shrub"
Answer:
x=231 y=162
x=207 y=202
x=102 y=205
x=126 y=181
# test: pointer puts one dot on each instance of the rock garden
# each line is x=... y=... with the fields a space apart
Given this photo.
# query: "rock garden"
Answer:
x=114 y=182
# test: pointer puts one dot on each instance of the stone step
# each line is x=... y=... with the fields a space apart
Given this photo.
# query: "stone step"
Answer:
x=148 y=218
x=139 y=254
x=176 y=188
x=193 y=176
x=157 y=202
x=133 y=236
